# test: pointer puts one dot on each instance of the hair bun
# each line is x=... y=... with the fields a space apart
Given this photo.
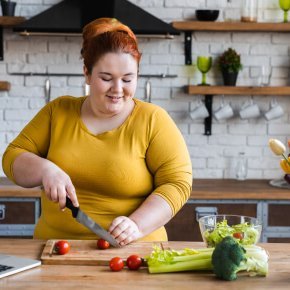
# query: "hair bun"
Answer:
x=102 y=25
x=105 y=35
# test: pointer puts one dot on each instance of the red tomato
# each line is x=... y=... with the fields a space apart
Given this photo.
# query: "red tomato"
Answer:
x=61 y=247
x=103 y=244
x=134 y=262
x=238 y=235
x=116 y=264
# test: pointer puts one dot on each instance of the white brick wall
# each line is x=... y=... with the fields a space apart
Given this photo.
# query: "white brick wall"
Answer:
x=212 y=156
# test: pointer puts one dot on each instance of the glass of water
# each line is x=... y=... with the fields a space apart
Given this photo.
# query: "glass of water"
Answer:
x=265 y=75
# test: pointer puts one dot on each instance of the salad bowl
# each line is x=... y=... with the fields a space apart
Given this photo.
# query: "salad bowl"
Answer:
x=246 y=230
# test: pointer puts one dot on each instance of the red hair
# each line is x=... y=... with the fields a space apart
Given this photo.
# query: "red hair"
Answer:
x=105 y=35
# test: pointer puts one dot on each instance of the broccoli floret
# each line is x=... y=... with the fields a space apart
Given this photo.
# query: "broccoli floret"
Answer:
x=229 y=257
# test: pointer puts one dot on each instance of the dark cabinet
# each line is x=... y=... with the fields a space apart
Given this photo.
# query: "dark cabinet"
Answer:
x=278 y=215
x=18 y=216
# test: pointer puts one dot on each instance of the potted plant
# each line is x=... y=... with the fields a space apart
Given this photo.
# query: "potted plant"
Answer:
x=229 y=64
x=8 y=7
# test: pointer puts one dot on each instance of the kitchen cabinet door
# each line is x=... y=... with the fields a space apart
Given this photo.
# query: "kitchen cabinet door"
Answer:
x=279 y=215
x=18 y=216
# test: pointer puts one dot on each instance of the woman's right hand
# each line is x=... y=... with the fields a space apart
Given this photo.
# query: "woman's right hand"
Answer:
x=58 y=185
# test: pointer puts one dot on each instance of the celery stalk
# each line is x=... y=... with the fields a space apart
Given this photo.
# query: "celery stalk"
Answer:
x=164 y=261
x=190 y=265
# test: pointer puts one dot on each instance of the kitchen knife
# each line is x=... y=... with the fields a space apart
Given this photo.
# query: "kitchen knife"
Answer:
x=85 y=220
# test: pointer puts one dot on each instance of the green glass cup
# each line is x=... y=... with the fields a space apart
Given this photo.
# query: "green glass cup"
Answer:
x=204 y=64
x=285 y=6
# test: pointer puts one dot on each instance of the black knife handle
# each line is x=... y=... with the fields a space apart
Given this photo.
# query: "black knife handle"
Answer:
x=69 y=204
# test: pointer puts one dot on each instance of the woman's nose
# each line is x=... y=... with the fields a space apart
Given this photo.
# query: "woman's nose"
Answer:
x=117 y=86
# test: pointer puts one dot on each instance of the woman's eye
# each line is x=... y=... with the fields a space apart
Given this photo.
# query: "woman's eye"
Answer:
x=106 y=80
x=126 y=81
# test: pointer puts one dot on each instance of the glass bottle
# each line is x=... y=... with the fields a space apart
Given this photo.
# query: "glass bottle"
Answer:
x=241 y=169
x=249 y=11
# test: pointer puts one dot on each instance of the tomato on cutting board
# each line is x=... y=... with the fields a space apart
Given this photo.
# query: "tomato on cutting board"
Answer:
x=61 y=247
x=103 y=244
x=116 y=264
x=134 y=262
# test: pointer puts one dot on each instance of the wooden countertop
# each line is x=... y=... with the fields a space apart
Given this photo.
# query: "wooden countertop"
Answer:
x=234 y=189
x=209 y=189
x=47 y=277
x=9 y=189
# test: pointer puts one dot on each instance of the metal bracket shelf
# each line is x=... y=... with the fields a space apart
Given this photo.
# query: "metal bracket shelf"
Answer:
x=1 y=44
x=187 y=47
x=208 y=120
x=210 y=26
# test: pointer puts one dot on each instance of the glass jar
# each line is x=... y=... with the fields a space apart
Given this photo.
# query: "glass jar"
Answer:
x=241 y=169
x=249 y=11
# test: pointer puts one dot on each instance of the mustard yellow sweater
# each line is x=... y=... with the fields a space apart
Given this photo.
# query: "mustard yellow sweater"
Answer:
x=112 y=172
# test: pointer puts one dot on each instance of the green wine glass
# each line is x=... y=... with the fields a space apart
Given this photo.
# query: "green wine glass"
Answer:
x=285 y=6
x=204 y=64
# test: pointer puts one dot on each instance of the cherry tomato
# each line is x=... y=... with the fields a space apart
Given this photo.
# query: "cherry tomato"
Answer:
x=61 y=247
x=238 y=235
x=103 y=244
x=134 y=262
x=116 y=264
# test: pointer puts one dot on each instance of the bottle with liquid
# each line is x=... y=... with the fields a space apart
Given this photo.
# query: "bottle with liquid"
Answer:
x=241 y=169
x=249 y=11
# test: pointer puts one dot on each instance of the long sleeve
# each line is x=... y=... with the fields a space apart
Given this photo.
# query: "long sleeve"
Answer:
x=169 y=161
x=34 y=138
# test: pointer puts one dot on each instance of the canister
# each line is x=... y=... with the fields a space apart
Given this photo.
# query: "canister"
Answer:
x=249 y=11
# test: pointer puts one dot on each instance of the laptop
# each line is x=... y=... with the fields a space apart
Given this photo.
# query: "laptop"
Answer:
x=13 y=264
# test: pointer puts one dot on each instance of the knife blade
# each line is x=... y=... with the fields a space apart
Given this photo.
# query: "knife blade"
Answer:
x=85 y=220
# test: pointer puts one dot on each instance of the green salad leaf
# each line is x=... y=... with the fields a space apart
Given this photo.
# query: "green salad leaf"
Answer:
x=244 y=233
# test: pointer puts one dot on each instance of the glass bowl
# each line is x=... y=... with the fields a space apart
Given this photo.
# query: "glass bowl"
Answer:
x=244 y=229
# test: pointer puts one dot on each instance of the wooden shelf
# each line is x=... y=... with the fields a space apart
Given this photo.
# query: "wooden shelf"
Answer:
x=4 y=86
x=231 y=26
x=210 y=91
x=238 y=90
x=6 y=21
x=189 y=26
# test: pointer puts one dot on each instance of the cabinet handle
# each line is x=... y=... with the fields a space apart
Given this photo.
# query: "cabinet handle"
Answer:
x=2 y=211
x=201 y=211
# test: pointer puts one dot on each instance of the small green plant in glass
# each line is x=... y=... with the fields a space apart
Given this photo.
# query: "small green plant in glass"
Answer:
x=204 y=64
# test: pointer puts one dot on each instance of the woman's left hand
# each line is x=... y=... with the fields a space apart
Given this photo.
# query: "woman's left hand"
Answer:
x=124 y=230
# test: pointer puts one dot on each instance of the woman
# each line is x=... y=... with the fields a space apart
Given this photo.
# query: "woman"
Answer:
x=122 y=160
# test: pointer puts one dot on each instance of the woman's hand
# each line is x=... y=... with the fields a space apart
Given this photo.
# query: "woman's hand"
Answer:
x=57 y=185
x=124 y=230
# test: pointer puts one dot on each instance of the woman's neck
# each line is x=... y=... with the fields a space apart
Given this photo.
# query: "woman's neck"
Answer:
x=98 y=122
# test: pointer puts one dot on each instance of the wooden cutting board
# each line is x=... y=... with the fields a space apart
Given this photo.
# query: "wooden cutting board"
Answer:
x=86 y=252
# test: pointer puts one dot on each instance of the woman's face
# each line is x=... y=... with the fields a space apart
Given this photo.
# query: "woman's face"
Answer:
x=113 y=83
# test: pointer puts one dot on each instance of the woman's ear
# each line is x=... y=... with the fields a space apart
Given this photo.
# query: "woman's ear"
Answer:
x=87 y=75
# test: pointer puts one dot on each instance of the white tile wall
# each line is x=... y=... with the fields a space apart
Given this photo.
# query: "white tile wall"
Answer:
x=212 y=156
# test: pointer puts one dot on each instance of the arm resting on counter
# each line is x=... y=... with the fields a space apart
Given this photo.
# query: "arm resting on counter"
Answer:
x=154 y=213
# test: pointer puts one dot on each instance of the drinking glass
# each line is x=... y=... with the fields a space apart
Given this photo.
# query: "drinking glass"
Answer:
x=266 y=72
x=285 y=6
x=204 y=64
x=241 y=169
